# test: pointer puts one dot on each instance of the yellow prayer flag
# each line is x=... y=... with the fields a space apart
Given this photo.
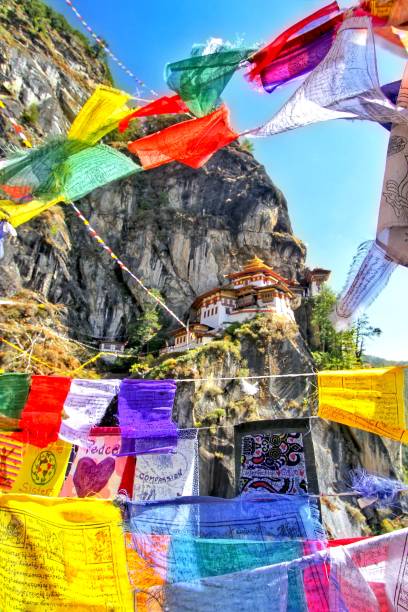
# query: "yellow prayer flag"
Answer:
x=42 y=471
x=17 y=214
x=99 y=115
x=62 y=554
x=371 y=399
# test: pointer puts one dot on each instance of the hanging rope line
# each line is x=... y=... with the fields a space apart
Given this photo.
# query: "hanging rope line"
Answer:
x=303 y=374
x=122 y=266
x=113 y=57
x=19 y=130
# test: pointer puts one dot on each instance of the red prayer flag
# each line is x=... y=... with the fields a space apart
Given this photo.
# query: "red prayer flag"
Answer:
x=265 y=56
x=41 y=417
x=345 y=541
x=166 y=105
x=16 y=192
x=191 y=142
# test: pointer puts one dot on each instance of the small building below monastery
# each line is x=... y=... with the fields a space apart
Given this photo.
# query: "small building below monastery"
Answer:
x=254 y=290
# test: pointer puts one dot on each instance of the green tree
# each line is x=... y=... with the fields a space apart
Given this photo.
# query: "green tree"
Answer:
x=364 y=331
x=247 y=145
x=337 y=350
x=145 y=330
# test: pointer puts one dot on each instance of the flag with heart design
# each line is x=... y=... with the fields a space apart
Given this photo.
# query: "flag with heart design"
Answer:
x=97 y=470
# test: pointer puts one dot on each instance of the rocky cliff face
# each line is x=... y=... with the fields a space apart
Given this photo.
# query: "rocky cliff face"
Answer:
x=181 y=231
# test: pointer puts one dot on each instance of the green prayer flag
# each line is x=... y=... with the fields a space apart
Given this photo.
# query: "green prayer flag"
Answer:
x=14 y=389
x=94 y=167
x=200 y=79
x=63 y=168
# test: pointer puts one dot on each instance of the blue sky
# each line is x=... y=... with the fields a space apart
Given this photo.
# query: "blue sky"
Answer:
x=331 y=173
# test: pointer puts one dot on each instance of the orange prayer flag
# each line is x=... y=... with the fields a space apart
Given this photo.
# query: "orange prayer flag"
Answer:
x=191 y=142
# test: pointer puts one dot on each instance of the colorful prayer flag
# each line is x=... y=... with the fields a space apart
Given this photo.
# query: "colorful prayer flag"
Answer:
x=145 y=408
x=61 y=554
x=165 y=476
x=41 y=417
x=99 y=115
x=97 y=470
x=93 y=168
x=392 y=220
x=42 y=470
x=191 y=142
x=300 y=55
x=84 y=407
x=344 y=85
x=371 y=399
x=163 y=106
x=11 y=458
x=369 y=273
x=14 y=389
x=200 y=79
x=265 y=56
x=17 y=214
x=376 y=260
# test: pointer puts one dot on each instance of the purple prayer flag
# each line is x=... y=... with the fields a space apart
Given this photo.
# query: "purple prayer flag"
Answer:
x=301 y=54
x=391 y=90
x=145 y=408
x=298 y=62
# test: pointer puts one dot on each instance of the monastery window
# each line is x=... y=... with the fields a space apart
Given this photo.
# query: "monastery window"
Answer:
x=216 y=309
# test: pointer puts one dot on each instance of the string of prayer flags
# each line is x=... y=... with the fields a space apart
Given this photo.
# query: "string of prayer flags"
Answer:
x=200 y=79
x=163 y=106
x=18 y=129
x=14 y=389
x=190 y=538
x=369 y=274
x=191 y=142
x=145 y=408
x=41 y=417
x=98 y=470
x=267 y=55
x=84 y=407
x=42 y=470
x=364 y=574
x=344 y=85
x=102 y=44
x=372 y=400
x=300 y=55
x=165 y=476
x=67 y=169
x=62 y=554
x=99 y=115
